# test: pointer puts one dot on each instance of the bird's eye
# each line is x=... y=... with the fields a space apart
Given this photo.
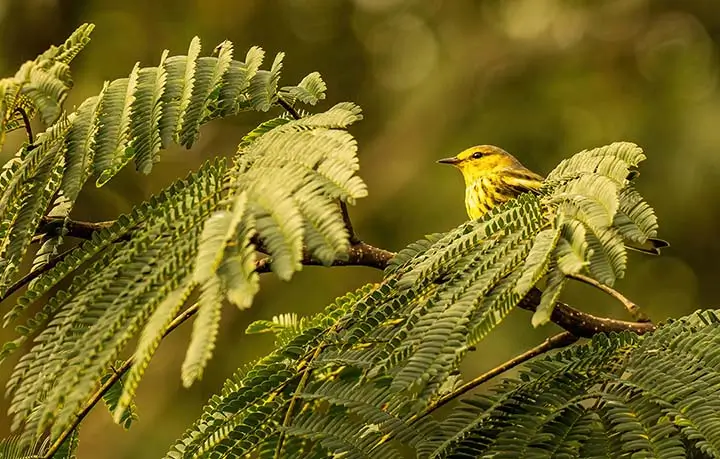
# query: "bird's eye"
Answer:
x=477 y=155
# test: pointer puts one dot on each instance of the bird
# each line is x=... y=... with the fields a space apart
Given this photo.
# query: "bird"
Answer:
x=494 y=176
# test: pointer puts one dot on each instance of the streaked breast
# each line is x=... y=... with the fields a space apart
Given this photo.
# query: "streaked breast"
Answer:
x=482 y=195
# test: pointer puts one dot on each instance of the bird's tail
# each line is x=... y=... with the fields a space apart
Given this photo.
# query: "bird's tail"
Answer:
x=652 y=246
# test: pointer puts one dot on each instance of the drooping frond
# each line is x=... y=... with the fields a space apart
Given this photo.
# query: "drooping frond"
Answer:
x=292 y=175
x=616 y=396
x=89 y=323
x=26 y=189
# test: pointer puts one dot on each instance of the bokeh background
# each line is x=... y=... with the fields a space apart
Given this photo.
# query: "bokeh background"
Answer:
x=541 y=78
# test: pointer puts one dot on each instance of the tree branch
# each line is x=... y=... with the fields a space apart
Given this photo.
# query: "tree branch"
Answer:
x=359 y=254
x=73 y=228
x=581 y=323
x=362 y=254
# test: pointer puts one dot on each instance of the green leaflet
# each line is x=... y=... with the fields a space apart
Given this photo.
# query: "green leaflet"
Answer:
x=276 y=325
x=309 y=91
x=112 y=398
x=555 y=284
x=224 y=266
x=113 y=147
x=205 y=330
x=146 y=112
x=538 y=259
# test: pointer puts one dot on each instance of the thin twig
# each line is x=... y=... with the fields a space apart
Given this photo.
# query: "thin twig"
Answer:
x=631 y=307
x=288 y=108
x=32 y=275
x=560 y=340
x=92 y=401
x=26 y=122
x=348 y=223
x=117 y=374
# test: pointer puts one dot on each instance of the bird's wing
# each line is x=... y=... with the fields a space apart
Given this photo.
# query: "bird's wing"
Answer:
x=521 y=181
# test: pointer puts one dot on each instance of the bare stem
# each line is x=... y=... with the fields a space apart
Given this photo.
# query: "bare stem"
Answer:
x=288 y=108
x=631 y=307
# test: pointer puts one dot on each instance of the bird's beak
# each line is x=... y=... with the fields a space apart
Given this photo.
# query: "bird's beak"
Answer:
x=452 y=160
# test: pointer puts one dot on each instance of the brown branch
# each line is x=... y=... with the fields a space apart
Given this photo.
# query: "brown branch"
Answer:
x=556 y=342
x=359 y=254
x=117 y=374
x=362 y=254
x=581 y=323
x=631 y=307
x=73 y=228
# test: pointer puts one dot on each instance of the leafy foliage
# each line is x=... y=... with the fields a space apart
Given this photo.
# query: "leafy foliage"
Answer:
x=363 y=378
x=135 y=275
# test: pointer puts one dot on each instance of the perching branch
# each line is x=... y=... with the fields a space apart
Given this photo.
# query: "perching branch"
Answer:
x=343 y=205
x=362 y=254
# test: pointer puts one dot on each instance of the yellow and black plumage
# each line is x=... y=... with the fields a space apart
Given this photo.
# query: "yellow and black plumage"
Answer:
x=493 y=176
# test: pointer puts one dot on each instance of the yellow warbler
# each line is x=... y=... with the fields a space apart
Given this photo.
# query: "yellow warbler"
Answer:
x=493 y=176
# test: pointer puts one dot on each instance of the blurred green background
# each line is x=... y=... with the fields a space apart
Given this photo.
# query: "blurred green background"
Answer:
x=541 y=78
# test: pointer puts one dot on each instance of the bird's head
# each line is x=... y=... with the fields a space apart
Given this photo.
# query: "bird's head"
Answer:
x=482 y=160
